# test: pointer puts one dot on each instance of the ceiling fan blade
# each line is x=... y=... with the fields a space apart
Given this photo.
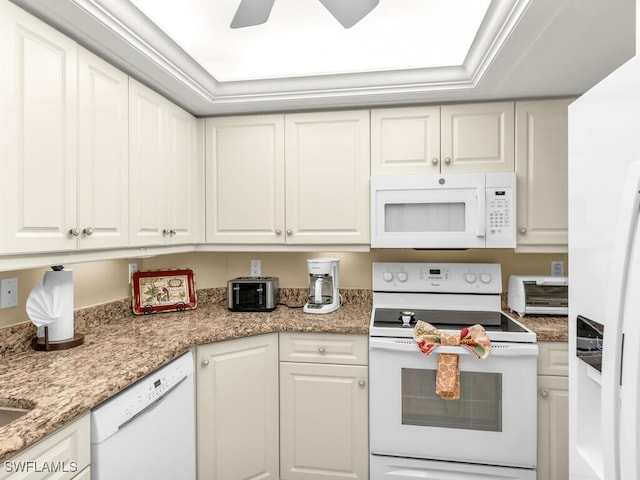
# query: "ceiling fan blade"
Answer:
x=251 y=12
x=349 y=12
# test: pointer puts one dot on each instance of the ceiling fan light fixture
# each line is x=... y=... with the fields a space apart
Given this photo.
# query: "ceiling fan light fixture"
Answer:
x=348 y=13
x=252 y=12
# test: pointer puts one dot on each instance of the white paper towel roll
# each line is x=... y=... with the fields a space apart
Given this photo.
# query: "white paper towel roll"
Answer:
x=50 y=304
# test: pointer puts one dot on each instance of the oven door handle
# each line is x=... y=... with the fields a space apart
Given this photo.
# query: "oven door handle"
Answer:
x=497 y=349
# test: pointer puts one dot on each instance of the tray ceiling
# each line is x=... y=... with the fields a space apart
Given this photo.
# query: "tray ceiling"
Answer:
x=404 y=51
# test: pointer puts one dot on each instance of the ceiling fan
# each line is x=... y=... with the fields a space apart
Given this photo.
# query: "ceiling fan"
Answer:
x=347 y=12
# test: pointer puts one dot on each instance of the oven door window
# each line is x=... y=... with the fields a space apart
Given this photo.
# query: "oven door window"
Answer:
x=479 y=406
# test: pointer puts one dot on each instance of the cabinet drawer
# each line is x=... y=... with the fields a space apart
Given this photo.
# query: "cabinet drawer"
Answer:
x=66 y=451
x=346 y=349
x=553 y=359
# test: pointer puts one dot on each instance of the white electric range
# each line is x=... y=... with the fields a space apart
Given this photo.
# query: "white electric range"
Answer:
x=491 y=430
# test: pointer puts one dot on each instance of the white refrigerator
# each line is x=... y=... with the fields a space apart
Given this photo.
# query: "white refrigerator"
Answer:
x=604 y=278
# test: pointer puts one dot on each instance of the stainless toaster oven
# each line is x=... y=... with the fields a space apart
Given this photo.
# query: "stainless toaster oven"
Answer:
x=253 y=294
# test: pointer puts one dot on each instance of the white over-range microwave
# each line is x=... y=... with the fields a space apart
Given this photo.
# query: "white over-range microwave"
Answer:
x=461 y=210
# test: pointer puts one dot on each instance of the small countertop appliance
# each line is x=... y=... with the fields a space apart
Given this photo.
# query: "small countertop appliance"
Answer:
x=538 y=295
x=323 y=285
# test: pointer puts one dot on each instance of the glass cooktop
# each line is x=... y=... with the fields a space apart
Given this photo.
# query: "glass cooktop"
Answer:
x=388 y=322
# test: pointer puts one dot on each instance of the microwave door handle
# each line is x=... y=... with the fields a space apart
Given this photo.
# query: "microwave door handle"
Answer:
x=481 y=207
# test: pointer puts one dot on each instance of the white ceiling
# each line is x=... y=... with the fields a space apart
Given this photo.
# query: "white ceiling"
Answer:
x=301 y=38
x=301 y=58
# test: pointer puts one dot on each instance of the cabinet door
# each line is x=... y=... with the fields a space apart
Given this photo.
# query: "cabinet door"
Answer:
x=245 y=179
x=148 y=191
x=70 y=446
x=38 y=91
x=327 y=177
x=553 y=428
x=183 y=174
x=103 y=154
x=323 y=421
x=237 y=409
x=477 y=137
x=405 y=140
x=541 y=167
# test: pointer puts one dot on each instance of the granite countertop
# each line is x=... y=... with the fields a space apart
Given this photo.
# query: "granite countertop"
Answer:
x=121 y=348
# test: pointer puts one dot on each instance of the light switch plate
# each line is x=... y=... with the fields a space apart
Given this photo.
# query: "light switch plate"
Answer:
x=557 y=269
x=9 y=293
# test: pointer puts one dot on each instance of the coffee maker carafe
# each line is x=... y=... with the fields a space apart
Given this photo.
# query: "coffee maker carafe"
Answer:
x=323 y=285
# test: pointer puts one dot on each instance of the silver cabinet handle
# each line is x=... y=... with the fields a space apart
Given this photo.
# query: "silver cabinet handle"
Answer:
x=435 y=161
x=172 y=231
x=362 y=383
x=523 y=231
x=321 y=350
x=278 y=231
x=74 y=231
x=447 y=160
x=289 y=232
x=165 y=232
x=88 y=231
x=204 y=363
x=544 y=393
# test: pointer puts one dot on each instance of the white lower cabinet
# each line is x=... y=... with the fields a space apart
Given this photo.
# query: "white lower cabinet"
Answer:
x=553 y=411
x=237 y=409
x=323 y=406
x=65 y=454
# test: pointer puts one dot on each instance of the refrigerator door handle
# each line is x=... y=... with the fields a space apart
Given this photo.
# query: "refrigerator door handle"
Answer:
x=612 y=338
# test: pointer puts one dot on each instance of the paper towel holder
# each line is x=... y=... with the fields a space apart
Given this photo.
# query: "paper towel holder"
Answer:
x=42 y=344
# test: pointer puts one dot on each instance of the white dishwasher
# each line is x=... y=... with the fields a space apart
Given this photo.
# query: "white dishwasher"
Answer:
x=148 y=429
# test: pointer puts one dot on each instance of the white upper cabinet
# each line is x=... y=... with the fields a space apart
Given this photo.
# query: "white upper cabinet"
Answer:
x=103 y=154
x=163 y=170
x=327 y=177
x=541 y=167
x=245 y=179
x=298 y=179
x=476 y=137
x=405 y=140
x=38 y=91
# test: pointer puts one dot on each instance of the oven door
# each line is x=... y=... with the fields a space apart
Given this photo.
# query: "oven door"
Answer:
x=493 y=422
x=419 y=212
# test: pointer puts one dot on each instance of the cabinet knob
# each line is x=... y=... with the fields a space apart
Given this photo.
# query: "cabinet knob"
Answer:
x=278 y=231
x=523 y=231
x=321 y=350
x=74 y=231
x=172 y=231
x=204 y=362
x=544 y=393
x=447 y=160
x=435 y=161
x=165 y=232
x=289 y=232
x=88 y=231
x=362 y=383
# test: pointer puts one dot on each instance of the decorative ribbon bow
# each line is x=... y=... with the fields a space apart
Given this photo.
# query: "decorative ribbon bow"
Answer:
x=473 y=338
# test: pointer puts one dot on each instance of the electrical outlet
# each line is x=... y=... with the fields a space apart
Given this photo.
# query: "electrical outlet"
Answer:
x=133 y=267
x=557 y=268
x=256 y=268
x=9 y=293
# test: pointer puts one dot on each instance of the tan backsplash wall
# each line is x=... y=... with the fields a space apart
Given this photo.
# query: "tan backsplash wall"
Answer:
x=100 y=282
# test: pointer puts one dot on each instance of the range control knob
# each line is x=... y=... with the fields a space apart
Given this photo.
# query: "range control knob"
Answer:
x=402 y=277
x=485 y=278
x=387 y=276
x=470 y=277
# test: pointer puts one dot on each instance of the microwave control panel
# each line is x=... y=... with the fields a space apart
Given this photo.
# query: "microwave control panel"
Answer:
x=500 y=215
